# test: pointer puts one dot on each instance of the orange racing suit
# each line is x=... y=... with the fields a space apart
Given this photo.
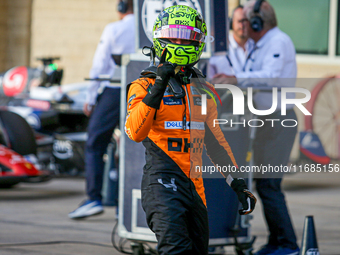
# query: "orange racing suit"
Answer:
x=177 y=128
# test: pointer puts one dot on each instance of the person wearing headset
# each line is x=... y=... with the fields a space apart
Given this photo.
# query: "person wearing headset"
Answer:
x=239 y=47
x=272 y=62
x=104 y=108
x=163 y=112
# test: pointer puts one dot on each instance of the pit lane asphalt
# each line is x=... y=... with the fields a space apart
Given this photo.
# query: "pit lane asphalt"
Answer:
x=36 y=213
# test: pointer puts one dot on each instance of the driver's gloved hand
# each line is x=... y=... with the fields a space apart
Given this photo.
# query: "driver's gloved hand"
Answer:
x=246 y=198
x=165 y=71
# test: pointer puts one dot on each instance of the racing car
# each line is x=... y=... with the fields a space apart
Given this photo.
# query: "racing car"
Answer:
x=42 y=124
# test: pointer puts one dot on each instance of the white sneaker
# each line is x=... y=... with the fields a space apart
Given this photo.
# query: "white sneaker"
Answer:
x=86 y=209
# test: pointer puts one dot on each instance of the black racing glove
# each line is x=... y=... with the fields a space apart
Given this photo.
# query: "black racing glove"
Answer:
x=165 y=71
x=246 y=198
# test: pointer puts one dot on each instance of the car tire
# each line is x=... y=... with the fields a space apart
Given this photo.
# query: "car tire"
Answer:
x=19 y=133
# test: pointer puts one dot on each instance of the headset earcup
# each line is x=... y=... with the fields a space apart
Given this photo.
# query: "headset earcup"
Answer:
x=230 y=23
x=256 y=23
x=122 y=6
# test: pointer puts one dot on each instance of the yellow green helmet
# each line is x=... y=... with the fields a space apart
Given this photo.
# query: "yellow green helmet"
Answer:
x=180 y=22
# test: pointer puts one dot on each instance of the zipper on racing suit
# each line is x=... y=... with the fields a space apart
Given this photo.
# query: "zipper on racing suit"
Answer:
x=185 y=108
x=184 y=122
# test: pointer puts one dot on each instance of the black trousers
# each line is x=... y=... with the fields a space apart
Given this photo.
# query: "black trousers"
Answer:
x=175 y=212
x=273 y=146
x=104 y=119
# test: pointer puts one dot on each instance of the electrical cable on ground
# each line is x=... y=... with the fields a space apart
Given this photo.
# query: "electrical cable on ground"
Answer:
x=148 y=250
x=118 y=247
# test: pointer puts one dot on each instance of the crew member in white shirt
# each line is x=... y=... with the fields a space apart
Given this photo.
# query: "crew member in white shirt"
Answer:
x=239 y=47
x=104 y=108
x=272 y=63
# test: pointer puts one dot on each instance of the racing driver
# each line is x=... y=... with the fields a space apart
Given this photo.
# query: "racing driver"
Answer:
x=162 y=115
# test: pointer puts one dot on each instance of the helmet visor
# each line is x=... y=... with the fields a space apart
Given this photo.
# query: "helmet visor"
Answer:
x=180 y=32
